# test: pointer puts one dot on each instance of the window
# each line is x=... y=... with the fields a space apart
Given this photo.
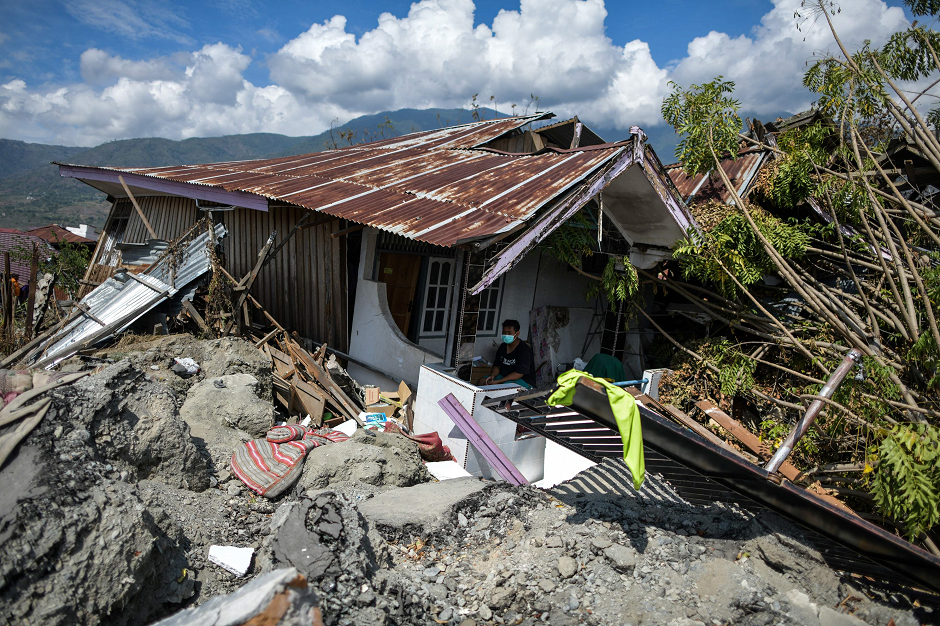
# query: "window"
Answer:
x=437 y=297
x=488 y=322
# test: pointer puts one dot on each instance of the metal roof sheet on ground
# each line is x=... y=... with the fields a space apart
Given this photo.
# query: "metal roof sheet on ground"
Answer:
x=464 y=193
x=120 y=301
x=704 y=473
x=740 y=171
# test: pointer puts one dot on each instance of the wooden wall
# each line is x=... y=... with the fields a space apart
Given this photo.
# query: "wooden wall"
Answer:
x=304 y=287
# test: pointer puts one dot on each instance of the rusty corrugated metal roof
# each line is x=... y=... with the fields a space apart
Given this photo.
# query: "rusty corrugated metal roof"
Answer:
x=434 y=186
x=740 y=171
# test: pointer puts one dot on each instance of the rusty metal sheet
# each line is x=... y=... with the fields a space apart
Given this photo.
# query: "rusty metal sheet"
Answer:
x=740 y=171
x=432 y=186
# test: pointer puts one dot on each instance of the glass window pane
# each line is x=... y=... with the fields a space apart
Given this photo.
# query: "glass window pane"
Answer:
x=435 y=271
x=439 y=321
x=430 y=303
x=428 y=320
x=490 y=319
x=442 y=297
x=445 y=273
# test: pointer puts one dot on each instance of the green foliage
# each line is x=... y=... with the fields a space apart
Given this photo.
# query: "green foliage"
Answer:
x=847 y=91
x=619 y=281
x=906 y=483
x=923 y=7
x=68 y=264
x=706 y=116
x=573 y=240
x=794 y=178
x=735 y=369
x=732 y=246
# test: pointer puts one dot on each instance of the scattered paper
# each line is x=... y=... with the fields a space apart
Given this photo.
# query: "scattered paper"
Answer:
x=188 y=364
x=232 y=559
x=348 y=427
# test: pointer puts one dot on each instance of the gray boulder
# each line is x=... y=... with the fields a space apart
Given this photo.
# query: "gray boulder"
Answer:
x=423 y=509
x=380 y=459
x=231 y=400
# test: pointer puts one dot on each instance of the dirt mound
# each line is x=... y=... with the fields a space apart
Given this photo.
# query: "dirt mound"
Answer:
x=381 y=459
x=80 y=542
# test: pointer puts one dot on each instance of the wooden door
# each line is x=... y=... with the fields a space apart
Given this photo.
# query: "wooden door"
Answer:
x=400 y=272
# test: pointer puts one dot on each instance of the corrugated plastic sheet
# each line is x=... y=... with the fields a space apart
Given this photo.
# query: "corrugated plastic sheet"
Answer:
x=741 y=172
x=432 y=186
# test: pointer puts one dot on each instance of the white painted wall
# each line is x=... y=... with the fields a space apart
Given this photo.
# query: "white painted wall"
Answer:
x=539 y=280
x=376 y=340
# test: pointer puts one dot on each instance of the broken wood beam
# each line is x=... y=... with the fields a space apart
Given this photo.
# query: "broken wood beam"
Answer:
x=346 y=231
x=31 y=298
x=249 y=280
x=323 y=378
x=190 y=308
x=143 y=218
x=81 y=306
x=576 y=139
x=742 y=434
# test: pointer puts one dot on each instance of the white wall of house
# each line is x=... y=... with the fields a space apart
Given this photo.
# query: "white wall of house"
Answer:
x=375 y=338
x=540 y=280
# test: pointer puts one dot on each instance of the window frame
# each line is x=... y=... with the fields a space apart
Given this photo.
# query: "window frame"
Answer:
x=496 y=330
x=434 y=310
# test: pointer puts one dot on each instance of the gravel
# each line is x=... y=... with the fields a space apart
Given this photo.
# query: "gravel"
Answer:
x=111 y=504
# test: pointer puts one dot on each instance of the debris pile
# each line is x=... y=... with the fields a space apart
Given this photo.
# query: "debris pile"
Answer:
x=117 y=498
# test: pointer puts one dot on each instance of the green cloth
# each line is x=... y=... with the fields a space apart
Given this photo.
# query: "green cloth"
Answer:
x=625 y=411
x=605 y=366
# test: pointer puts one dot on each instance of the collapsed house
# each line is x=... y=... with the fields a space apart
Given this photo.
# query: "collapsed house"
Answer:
x=411 y=250
x=407 y=253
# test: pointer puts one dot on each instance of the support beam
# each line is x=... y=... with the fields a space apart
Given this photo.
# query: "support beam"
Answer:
x=140 y=212
x=576 y=140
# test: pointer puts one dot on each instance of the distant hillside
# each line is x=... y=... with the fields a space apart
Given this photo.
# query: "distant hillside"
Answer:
x=19 y=156
x=33 y=194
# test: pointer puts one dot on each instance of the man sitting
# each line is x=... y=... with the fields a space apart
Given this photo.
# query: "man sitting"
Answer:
x=514 y=362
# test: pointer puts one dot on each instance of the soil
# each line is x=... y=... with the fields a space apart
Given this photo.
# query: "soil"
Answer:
x=110 y=506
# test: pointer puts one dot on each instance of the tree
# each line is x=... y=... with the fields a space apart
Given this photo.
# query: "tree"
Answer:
x=869 y=279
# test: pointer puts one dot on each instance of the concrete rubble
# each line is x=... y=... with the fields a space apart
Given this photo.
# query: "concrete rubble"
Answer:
x=110 y=507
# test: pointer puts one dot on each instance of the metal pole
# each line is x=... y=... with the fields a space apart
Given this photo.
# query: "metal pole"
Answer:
x=851 y=360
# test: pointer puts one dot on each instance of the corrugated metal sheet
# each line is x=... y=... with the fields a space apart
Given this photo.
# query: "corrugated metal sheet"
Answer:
x=431 y=186
x=740 y=171
x=121 y=300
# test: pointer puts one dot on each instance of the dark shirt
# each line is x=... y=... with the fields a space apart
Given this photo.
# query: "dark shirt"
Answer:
x=519 y=360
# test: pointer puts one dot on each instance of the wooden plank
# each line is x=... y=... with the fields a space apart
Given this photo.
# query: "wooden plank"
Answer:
x=742 y=434
x=143 y=218
x=282 y=363
x=312 y=399
x=249 y=279
x=325 y=381
x=31 y=298
x=193 y=313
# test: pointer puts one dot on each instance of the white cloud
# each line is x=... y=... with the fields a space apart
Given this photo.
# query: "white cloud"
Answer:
x=433 y=56
x=99 y=67
x=3 y=37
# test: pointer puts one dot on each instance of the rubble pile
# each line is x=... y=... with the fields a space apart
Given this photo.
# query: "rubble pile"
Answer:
x=111 y=505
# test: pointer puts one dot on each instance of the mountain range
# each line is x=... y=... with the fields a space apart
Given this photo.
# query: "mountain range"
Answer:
x=33 y=194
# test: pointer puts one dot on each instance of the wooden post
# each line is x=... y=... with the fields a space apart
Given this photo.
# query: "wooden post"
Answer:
x=143 y=218
x=31 y=299
x=7 y=296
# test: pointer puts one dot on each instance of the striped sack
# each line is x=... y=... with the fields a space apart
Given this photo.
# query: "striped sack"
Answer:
x=285 y=433
x=269 y=468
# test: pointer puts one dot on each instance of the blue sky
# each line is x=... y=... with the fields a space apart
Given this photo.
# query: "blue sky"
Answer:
x=84 y=71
